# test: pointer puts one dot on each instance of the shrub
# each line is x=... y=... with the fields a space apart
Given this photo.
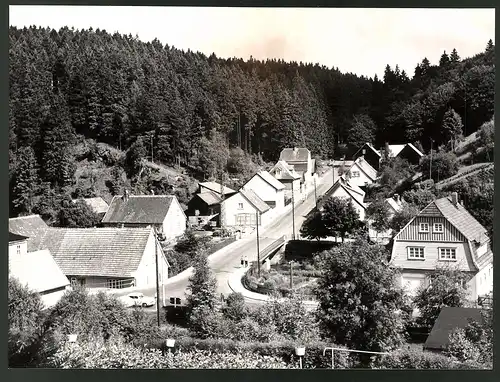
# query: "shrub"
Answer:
x=413 y=359
x=235 y=308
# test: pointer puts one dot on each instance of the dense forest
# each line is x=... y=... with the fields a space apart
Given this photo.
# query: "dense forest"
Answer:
x=187 y=107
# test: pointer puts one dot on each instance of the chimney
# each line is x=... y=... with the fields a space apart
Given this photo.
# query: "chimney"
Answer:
x=396 y=198
x=454 y=198
x=363 y=152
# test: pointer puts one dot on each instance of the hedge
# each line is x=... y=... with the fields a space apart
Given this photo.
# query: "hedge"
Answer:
x=216 y=247
x=412 y=359
x=305 y=249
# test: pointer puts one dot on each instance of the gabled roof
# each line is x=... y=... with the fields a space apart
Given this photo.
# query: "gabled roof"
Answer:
x=415 y=149
x=287 y=171
x=209 y=197
x=364 y=166
x=449 y=319
x=98 y=205
x=370 y=146
x=215 y=187
x=352 y=190
x=31 y=226
x=462 y=220
x=396 y=149
x=112 y=252
x=296 y=154
x=13 y=237
x=140 y=209
x=254 y=200
x=396 y=206
x=38 y=271
x=276 y=184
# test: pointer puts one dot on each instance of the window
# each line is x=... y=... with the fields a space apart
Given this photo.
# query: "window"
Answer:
x=423 y=227
x=113 y=284
x=18 y=249
x=240 y=206
x=416 y=253
x=447 y=254
x=438 y=228
x=355 y=174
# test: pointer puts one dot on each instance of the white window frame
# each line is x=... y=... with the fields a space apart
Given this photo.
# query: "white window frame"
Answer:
x=444 y=256
x=18 y=249
x=355 y=174
x=435 y=230
x=420 y=230
x=240 y=206
x=414 y=256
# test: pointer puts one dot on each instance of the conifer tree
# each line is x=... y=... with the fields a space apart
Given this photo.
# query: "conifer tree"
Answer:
x=444 y=60
x=25 y=181
x=202 y=285
x=452 y=126
x=454 y=57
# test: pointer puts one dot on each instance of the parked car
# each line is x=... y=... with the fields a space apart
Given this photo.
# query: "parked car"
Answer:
x=138 y=299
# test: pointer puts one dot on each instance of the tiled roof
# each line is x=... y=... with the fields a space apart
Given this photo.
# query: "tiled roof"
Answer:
x=37 y=270
x=254 y=200
x=210 y=198
x=462 y=220
x=295 y=154
x=13 y=237
x=271 y=180
x=353 y=191
x=112 y=252
x=141 y=209
x=31 y=226
x=396 y=206
x=215 y=187
x=449 y=319
x=415 y=149
x=287 y=171
x=98 y=204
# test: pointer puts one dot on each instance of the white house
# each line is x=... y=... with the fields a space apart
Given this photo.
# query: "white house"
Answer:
x=268 y=189
x=241 y=209
x=107 y=257
x=287 y=176
x=31 y=226
x=361 y=173
x=343 y=188
x=36 y=270
x=164 y=212
x=444 y=234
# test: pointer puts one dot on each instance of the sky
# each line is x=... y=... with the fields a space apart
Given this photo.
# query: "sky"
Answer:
x=357 y=40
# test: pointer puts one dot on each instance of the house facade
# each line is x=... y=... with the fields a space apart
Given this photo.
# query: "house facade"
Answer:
x=405 y=151
x=344 y=189
x=371 y=155
x=444 y=234
x=204 y=208
x=301 y=160
x=107 y=258
x=241 y=210
x=18 y=245
x=163 y=212
x=215 y=188
x=361 y=173
x=286 y=175
x=267 y=188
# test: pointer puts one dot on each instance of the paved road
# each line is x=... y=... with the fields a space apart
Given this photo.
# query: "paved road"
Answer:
x=224 y=262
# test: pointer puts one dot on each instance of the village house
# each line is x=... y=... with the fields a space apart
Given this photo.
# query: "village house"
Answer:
x=444 y=234
x=267 y=188
x=106 y=257
x=241 y=210
x=163 y=212
x=36 y=270
x=343 y=188
x=286 y=175
x=404 y=151
x=29 y=226
x=302 y=162
x=98 y=205
x=216 y=188
x=361 y=173
x=204 y=208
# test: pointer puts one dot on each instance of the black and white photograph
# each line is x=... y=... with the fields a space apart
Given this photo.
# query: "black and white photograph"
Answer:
x=250 y=188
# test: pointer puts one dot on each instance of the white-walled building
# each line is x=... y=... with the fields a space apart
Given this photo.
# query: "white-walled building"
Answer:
x=241 y=210
x=267 y=188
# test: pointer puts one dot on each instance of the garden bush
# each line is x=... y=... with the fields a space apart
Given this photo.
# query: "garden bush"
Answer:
x=413 y=359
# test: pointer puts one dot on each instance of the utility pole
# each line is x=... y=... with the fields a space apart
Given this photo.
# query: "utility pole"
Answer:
x=293 y=212
x=258 y=248
x=152 y=156
x=157 y=280
x=222 y=205
x=291 y=275
x=430 y=166
x=315 y=195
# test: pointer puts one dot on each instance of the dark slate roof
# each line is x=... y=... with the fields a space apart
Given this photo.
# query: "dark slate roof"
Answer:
x=254 y=200
x=13 y=237
x=462 y=220
x=209 y=197
x=448 y=320
x=112 y=252
x=38 y=271
x=215 y=187
x=295 y=154
x=31 y=226
x=140 y=209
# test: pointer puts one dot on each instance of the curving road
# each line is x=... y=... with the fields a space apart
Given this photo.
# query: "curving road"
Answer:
x=227 y=260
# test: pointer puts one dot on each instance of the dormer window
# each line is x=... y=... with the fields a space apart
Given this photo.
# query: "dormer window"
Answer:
x=438 y=228
x=423 y=228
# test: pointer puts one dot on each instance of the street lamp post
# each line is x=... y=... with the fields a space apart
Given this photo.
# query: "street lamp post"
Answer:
x=293 y=213
x=170 y=344
x=258 y=249
x=315 y=195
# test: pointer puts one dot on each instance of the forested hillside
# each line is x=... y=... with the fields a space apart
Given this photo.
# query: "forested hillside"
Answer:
x=118 y=90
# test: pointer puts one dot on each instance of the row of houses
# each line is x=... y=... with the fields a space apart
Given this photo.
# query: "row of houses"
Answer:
x=121 y=252
x=444 y=233
x=262 y=197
